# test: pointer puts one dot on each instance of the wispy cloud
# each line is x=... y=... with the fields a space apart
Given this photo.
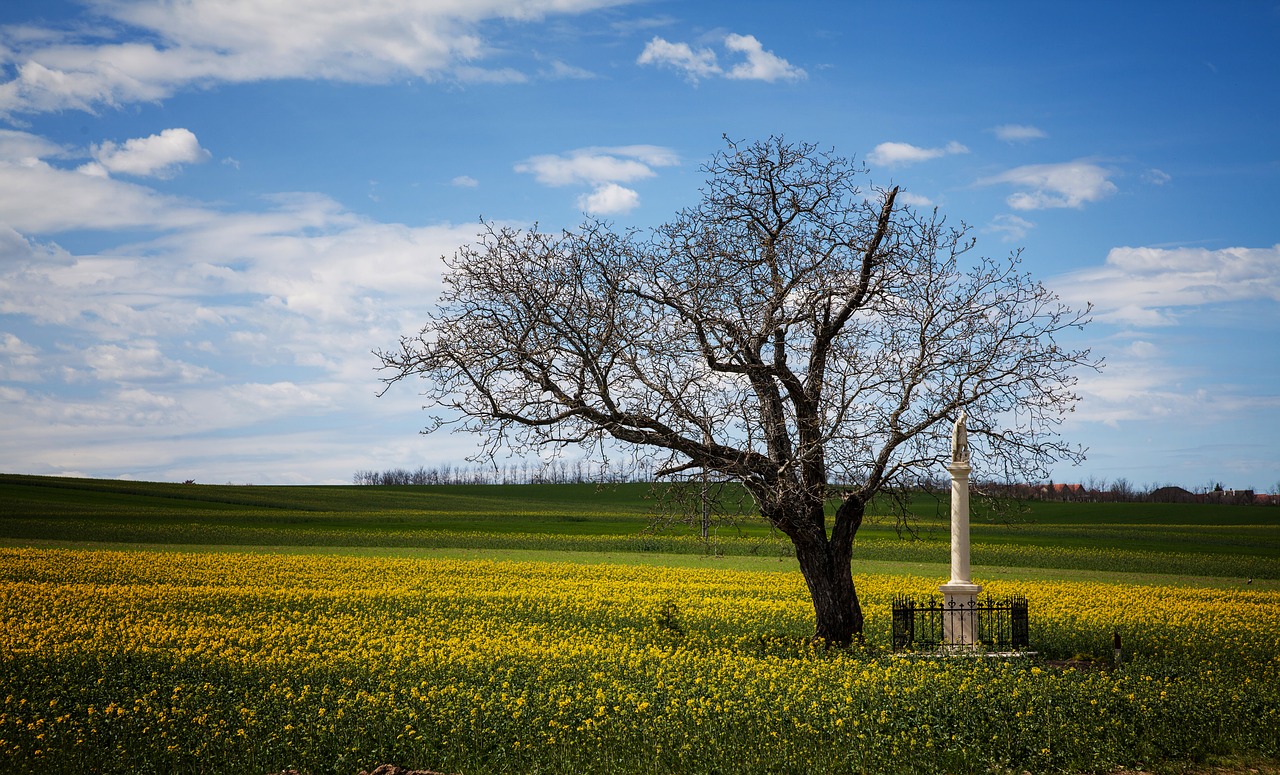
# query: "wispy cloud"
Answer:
x=1141 y=383
x=915 y=200
x=190 y=330
x=1154 y=287
x=19 y=361
x=603 y=169
x=1136 y=386
x=642 y=24
x=563 y=70
x=139 y=362
x=900 y=154
x=26 y=149
x=697 y=64
x=1019 y=133
x=30 y=186
x=1011 y=228
x=598 y=164
x=175 y=45
x=1069 y=184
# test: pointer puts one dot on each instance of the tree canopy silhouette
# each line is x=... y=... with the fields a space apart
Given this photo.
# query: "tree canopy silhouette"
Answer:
x=795 y=331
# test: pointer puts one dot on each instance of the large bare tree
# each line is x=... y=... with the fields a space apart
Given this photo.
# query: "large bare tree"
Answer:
x=794 y=331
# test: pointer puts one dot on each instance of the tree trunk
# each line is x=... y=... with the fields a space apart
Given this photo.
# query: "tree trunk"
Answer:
x=825 y=562
x=827 y=569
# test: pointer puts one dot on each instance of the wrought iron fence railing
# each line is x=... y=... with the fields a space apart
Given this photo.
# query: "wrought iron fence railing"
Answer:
x=1000 y=622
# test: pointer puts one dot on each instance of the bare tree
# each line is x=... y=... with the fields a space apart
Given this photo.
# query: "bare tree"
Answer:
x=792 y=331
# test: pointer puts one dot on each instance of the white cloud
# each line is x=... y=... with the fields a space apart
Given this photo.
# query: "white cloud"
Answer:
x=1152 y=287
x=25 y=149
x=188 y=332
x=680 y=56
x=1139 y=385
x=157 y=431
x=139 y=362
x=631 y=26
x=1134 y=387
x=560 y=69
x=12 y=346
x=29 y=191
x=310 y=263
x=39 y=198
x=894 y=154
x=915 y=200
x=603 y=169
x=1019 y=133
x=584 y=166
x=465 y=181
x=483 y=75
x=19 y=361
x=1069 y=184
x=609 y=199
x=157 y=155
x=761 y=65
x=307 y=275
x=1156 y=177
x=209 y=41
x=1011 y=227
x=1143 y=349
x=696 y=64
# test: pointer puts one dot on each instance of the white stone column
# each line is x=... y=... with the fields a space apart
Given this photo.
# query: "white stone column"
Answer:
x=960 y=523
x=960 y=594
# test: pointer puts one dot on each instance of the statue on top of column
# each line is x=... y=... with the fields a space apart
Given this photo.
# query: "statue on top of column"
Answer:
x=960 y=440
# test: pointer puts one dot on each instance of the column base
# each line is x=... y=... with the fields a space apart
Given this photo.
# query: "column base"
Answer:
x=960 y=617
x=960 y=588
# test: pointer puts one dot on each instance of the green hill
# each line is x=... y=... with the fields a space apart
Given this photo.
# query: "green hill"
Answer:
x=1208 y=539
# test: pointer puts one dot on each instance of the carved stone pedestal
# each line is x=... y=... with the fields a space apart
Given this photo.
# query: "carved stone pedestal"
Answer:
x=960 y=619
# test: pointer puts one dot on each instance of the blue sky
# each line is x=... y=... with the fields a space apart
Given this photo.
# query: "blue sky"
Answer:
x=211 y=211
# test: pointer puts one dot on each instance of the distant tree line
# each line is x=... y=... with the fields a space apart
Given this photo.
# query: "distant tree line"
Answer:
x=1123 y=491
x=584 y=471
x=522 y=472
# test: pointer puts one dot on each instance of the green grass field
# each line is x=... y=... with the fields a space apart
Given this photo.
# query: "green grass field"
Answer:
x=1170 y=539
x=168 y=628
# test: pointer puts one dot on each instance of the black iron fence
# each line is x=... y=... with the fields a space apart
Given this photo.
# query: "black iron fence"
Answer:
x=996 y=622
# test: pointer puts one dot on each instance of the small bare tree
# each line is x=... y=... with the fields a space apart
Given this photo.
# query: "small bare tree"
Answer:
x=792 y=332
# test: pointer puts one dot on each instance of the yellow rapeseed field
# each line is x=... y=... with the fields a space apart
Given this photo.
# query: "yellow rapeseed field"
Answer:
x=250 y=663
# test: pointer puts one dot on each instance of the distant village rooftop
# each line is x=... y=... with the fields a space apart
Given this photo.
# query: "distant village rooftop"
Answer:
x=1169 y=494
